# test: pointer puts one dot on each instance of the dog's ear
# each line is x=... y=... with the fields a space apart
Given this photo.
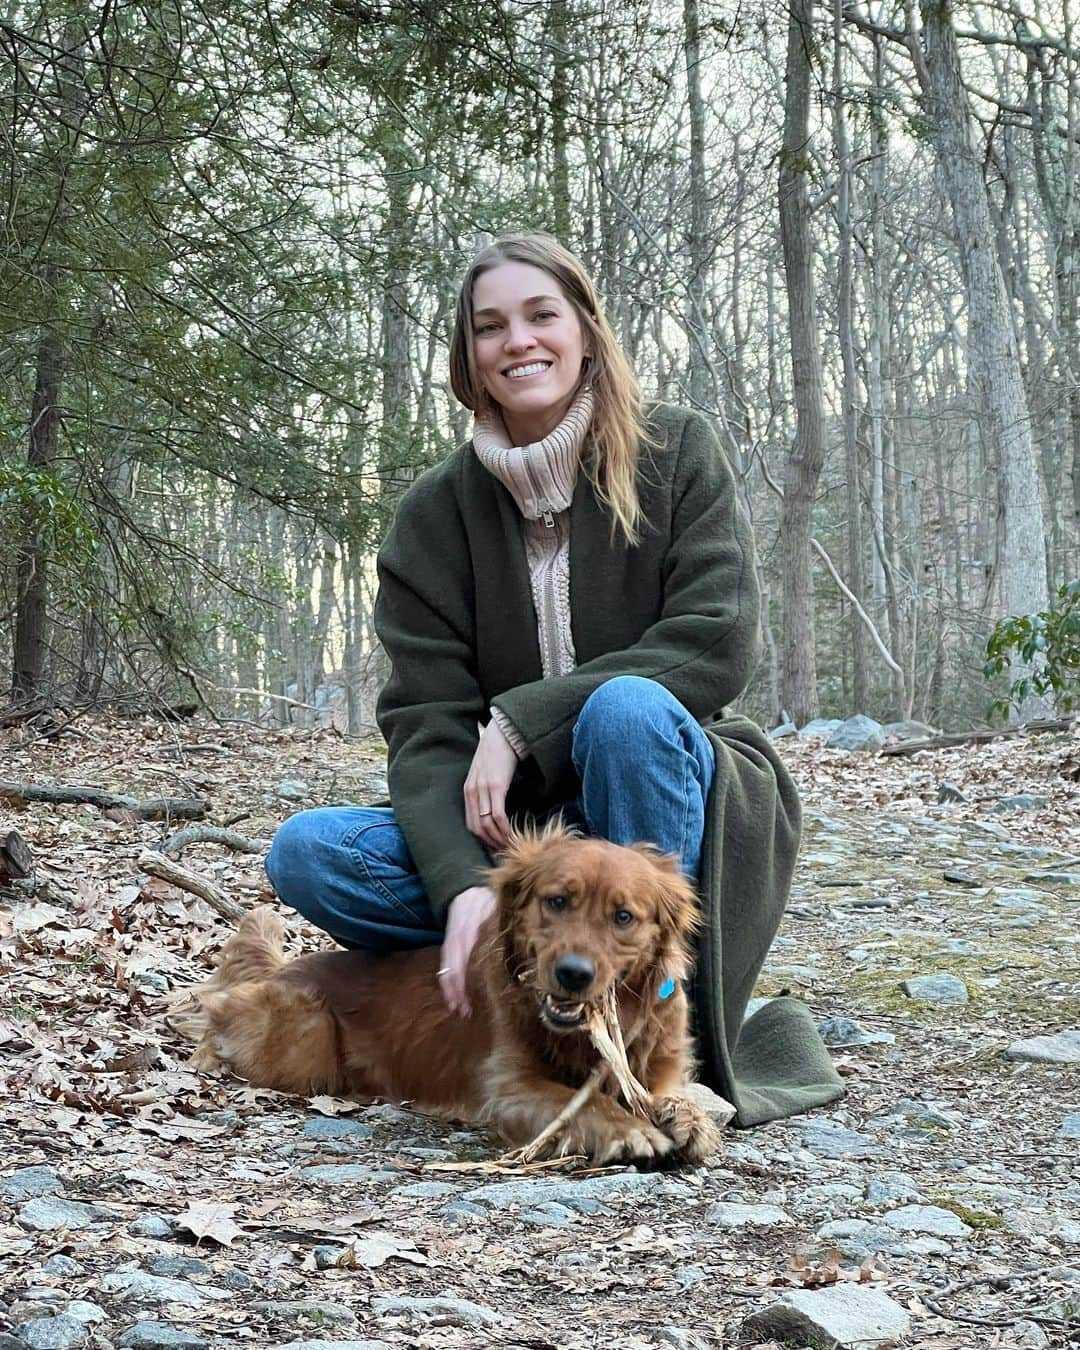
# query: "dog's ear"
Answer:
x=678 y=914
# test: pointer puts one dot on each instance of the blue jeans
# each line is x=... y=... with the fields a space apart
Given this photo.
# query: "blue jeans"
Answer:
x=645 y=768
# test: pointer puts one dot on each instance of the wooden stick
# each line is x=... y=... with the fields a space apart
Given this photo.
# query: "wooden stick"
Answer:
x=160 y=866
x=155 y=808
x=210 y=834
x=521 y=1157
x=607 y=1036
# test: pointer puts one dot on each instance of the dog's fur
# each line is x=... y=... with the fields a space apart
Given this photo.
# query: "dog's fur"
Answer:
x=349 y=1022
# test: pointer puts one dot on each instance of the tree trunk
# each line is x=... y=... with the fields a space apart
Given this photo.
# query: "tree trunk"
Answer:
x=697 y=332
x=798 y=671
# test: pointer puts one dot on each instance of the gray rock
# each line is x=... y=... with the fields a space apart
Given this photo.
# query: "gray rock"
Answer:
x=858 y=1238
x=821 y=726
x=727 y=1214
x=337 y=1345
x=450 y=1311
x=829 y=1140
x=935 y=989
x=926 y=1219
x=151 y=1226
x=46 y=1214
x=857 y=733
x=342 y=1174
x=1019 y=801
x=1070 y=1127
x=1040 y=1223
x=1063 y=1047
x=29 y=1182
x=1056 y=878
x=909 y=730
x=891 y=1190
x=9 y=1342
x=84 y=1311
x=62 y=1265
x=385 y=1114
x=426 y=1154
x=584 y=1196
x=425 y=1190
x=238 y=1279
x=175 y=1267
x=333 y=1127
x=717 y=1108
x=292 y=789
x=845 y=1315
x=143 y=1288
x=320 y=1311
x=159 y=1336
x=463 y=1211
x=843 y=1032
x=949 y=792
x=680 y=1338
x=956 y=947
x=53 y=1333
x=550 y=1215
x=328 y=1258
x=784 y=729
x=924 y=1115
x=1029 y=1335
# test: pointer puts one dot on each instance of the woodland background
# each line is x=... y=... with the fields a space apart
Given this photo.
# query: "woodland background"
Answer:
x=231 y=239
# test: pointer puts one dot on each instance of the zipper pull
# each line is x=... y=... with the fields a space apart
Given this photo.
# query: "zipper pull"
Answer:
x=545 y=513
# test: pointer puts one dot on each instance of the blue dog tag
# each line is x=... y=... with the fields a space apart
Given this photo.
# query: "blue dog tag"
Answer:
x=667 y=988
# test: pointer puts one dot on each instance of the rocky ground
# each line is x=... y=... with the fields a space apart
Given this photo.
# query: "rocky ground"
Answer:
x=937 y=1205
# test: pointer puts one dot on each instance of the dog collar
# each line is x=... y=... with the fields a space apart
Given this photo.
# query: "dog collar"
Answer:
x=666 y=989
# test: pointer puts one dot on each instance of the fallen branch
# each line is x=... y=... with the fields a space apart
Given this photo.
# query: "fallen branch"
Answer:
x=978 y=737
x=210 y=834
x=159 y=866
x=154 y=808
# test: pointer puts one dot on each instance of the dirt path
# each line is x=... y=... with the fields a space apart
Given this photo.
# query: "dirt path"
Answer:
x=958 y=1164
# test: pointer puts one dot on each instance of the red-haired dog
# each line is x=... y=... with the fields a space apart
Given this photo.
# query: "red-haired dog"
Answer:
x=576 y=917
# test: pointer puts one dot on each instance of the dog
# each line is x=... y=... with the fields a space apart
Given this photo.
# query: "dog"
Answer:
x=575 y=918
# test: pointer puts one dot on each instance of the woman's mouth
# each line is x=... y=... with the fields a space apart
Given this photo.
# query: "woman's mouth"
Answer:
x=527 y=372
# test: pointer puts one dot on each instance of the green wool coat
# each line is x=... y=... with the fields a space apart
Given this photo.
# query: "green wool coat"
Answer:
x=456 y=618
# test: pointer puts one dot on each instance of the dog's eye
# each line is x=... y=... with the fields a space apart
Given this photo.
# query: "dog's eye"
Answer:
x=557 y=903
x=623 y=918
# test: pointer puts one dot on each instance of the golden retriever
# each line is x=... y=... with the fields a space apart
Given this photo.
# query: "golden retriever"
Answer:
x=575 y=918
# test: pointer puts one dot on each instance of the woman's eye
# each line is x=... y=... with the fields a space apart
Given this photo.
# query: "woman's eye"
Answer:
x=484 y=329
x=546 y=314
x=623 y=918
x=557 y=903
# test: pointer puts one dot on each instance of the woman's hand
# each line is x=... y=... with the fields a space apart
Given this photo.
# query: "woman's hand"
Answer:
x=486 y=785
x=467 y=912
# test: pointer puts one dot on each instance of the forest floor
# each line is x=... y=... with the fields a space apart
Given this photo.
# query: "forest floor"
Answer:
x=167 y=1208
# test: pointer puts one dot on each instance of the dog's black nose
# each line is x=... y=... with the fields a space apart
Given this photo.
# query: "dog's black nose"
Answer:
x=574 y=973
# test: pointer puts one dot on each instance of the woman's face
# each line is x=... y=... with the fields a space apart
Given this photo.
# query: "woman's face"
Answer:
x=529 y=347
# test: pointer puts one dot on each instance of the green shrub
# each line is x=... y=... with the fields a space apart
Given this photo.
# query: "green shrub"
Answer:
x=1048 y=643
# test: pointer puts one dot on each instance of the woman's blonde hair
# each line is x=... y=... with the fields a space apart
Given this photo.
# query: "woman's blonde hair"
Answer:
x=617 y=422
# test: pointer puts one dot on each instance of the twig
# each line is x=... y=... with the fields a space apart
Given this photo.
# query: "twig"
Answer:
x=607 y=1036
x=160 y=866
x=523 y=1156
x=210 y=834
x=154 y=808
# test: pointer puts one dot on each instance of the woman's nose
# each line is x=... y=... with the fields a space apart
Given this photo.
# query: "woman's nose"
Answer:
x=519 y=337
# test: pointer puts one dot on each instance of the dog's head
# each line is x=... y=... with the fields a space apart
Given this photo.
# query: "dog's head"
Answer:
x=581 y=916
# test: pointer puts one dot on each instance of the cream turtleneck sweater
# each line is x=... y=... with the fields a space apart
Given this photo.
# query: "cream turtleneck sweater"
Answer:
x=541 y=477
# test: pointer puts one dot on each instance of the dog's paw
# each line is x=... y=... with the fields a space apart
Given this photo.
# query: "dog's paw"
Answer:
x=615 y=1136
x=690 y=1130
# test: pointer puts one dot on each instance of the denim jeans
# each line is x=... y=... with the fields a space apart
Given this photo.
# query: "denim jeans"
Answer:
x=645 y=768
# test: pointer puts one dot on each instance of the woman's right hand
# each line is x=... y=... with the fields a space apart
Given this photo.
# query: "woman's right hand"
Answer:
x=467 y=912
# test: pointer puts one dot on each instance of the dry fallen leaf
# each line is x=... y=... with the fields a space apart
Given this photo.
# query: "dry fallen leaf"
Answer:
x=211 y=1219
x=333 y=1106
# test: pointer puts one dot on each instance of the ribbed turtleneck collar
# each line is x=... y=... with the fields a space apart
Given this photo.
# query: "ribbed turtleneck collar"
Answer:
x=541 y=476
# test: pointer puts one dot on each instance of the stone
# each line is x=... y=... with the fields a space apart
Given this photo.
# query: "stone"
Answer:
x=891 y=1190
x=238 y=1279
x=159 y=1336
x=956 y=947
x=53 y=1333
x=1018 y=801
x=176 y=1267
x=784 y=729
x=337 y=1345
x=1028 y=1335
x=1063 y=1047
x=923 y=1115
x=949 y=792
x=926 y=1219
x=62 y=1265
x=858 y=1238
x=680 y=1338
x=86 y=1312
x=328 y=1258
x=137 y=1285
x=550 y=1215
x=461 y=1311
x=935 y=989
x=820 y=726
x=320 y=1311
x=292 y=789
x=857 y=733
x=9 y=1342
x=463 y=1211
x=151 y=1226
x=826 y=1139
x=425 y=1154
x=386 y=1114
x=909 y=730
x=719 y=1110
x=1041 y=1223
x=844 y=1032
x=46 y=1214
x=845 y=1315
x=425 y=1190
x=30 y=1182
x=584 y=1196
x=728 y=1214
x=334 y=1127
x=1070 y=1127
x=1056 y=878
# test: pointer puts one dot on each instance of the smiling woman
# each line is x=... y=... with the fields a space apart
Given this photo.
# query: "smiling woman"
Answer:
x=578 y=581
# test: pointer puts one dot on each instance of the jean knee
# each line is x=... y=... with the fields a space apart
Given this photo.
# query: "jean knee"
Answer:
x=291 y=863
x=625 y=708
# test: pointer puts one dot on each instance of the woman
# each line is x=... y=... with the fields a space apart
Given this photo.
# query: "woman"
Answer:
x=577 y=583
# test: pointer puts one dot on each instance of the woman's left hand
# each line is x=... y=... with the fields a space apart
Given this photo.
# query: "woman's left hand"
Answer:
x=486 y=785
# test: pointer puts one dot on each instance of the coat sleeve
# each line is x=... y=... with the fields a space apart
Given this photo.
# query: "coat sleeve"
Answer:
x=703 y=645
x=429 y=708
